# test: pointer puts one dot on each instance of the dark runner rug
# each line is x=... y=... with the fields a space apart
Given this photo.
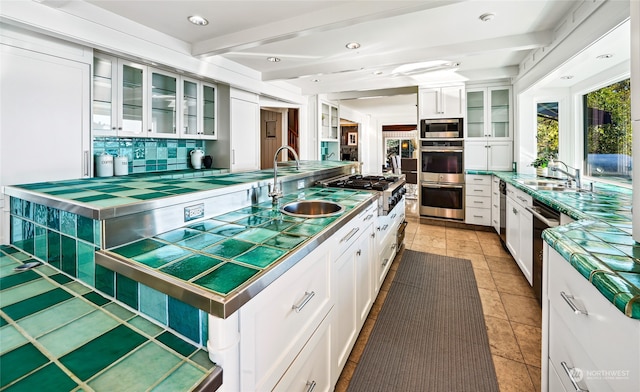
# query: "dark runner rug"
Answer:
x=430 y=334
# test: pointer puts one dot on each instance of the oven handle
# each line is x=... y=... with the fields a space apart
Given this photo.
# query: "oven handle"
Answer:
x=427 y=185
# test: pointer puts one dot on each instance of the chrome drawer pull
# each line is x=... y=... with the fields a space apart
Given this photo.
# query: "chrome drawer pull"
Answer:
x=359 y=252
x=307 y=298
x=384 y=263
x=570 y=372
x=368 y=217
x=385 y=227
x=350 y=234
x=393 y=246
x=568 y=299
x=393 y=216
x=311 y=386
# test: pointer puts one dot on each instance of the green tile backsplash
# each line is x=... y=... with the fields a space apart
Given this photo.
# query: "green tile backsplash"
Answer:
x=149 y=155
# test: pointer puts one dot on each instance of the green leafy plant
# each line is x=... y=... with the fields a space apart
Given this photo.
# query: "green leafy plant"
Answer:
x=543 y=160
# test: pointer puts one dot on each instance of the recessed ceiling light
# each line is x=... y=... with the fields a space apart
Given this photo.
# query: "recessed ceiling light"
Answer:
x=487 y=17
x=273 y=59
x=566 y=77
x=377 y=72
x=605 y=56
x=198 y=20
x=315 y=80
x=352 y=45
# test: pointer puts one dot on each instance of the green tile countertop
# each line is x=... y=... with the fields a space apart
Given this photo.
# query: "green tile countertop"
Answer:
x=106 y=197
x=599 y=244
x=59 y=335
x=220 y=263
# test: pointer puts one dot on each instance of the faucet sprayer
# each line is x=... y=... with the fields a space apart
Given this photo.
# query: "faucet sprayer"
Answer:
x=575 y=176
x=276 y=193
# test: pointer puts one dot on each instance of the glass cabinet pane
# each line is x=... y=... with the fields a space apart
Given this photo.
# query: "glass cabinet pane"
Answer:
x=500 y=113
x=334 y=123
x=324 y=120
x=163 y=103
x=190 y=107
x=209 y=110
x=102 y=95
x=132 y=98
x=475 y=114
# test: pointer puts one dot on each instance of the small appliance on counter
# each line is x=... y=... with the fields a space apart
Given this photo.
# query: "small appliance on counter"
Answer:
x=121 y=166
x=104 y=165
x=196 y=158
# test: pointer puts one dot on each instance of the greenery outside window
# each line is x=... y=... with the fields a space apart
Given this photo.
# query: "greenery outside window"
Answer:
x=547 y=133
x=405 y=148
x=607 y=132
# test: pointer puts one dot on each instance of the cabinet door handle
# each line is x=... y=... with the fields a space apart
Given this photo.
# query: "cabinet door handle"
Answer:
x=350 y=234
x=311 y=385
x=368 y=217
x=384 y=263
x=478 y=179
x=233 y=157
x=515 y=211
x=478 y=202
x=305 y=300
x=478 y=216
x=570 y=373
x=359 y=252
x=87 y=163
x=373 y=235
x=568 y=298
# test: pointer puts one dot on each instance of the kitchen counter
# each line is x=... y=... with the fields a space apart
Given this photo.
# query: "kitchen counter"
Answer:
x=598 y=244
x=58 y=333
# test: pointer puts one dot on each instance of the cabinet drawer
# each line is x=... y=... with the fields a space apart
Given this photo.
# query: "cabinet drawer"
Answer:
x=384 y=262
x=477 y=202
x=311 y=368
x=519 y=196
x=476 y=179
x=478 y=190
x=564 y=348
x=612 y=339
x=348 y=233
x=277 y=323
x=478 y=216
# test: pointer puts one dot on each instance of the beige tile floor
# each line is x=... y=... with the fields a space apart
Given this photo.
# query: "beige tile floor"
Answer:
x=512 y=314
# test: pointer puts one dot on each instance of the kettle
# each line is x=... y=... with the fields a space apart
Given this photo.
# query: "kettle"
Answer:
x=196 y=158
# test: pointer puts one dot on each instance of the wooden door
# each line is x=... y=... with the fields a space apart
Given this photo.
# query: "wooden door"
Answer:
x=271 y=135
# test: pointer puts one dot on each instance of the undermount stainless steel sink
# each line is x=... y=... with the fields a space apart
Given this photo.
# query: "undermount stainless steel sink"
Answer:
x=312 y=209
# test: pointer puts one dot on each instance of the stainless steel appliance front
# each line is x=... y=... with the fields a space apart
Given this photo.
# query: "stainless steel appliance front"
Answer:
x=441 y=128
x=442 y=161
x=442 y=200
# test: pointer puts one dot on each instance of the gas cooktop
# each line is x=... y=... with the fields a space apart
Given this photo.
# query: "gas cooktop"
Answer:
x=358 y=181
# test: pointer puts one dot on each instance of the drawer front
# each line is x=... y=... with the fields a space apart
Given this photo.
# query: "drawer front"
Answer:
x=478 y=190
x=384 y=262
x=311 y=369
x=519 y=196
x=477 y=202
x=352 y=230
x=611 y=339
x=477 y=179
x=478 y=216
x=565 y=349
x=278 y=322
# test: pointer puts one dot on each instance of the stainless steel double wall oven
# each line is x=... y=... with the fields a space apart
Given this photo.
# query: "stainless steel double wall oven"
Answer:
x=442 y=168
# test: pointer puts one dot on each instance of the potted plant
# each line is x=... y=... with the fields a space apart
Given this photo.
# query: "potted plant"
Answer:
x=541 y=163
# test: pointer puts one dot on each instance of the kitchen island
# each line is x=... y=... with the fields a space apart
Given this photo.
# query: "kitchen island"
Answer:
x=119 y=241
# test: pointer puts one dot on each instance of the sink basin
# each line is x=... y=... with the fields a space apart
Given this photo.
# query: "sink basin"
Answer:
x=312 y=209
x=538 y=183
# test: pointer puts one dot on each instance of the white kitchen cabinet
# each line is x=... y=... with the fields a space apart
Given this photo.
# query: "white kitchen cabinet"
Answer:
x=278 y=322
x=441 y=102
x=328 y=131
x=495 y=203
x=478 y=199
x=245 y=131
x=489 y=113
x=164 y=102
x=488 y=155
x=199 y=107
x=584 y=336
x=520 y=230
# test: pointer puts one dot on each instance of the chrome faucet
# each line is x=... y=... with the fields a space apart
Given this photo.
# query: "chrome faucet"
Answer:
x=575 y=176
x=276 y=193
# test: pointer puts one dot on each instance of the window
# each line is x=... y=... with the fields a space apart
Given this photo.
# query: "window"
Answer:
x=607 y=131
x=405 y=148
x=547 y=134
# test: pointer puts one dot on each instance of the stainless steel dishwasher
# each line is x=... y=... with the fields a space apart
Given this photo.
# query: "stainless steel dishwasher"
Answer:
x=543 y=218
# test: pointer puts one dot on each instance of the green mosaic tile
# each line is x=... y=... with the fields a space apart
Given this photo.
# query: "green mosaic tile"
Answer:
x=226 y=278
x=127 y=290
x=305 y=229
x=181 y=379
x=261 y=256
x=191 y=266
x=256 y=235
x=55 y=317
x=619 y=263
x=81 y=331
x=285 y=241
x=96 y=298
x=146 y=326
x=322 y=221
x=36 y=303
x=118 y=311
x=252 y=220
x=229 y=248
x=17 y=278
x=201 y=357
x=112 y=345
x=138 y=248
x=631 y=277
x=228 y=230
x=178 y=235
x=53 y=248
x=61 y=279
x=207 y=225
x=201 y=241
x=176 y=344
x=68 y=255
x=580 y=234
x=89 y=199
x=105 y=280
x=586 y=263
x=610 y=285
x=10 y=338
x=277 y=225
x=86 y=263
x=161 y=256
x=184 y=318
x=598 y=247
x=24 y=291
x=232 y=216
x=20 y=362
x=153 y=303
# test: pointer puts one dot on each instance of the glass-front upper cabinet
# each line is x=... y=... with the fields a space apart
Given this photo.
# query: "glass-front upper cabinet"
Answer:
x=329 y=122
x=132 y=98
x=163 y=111
x=489 y=112
x=198 y=109
x=104 y=121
